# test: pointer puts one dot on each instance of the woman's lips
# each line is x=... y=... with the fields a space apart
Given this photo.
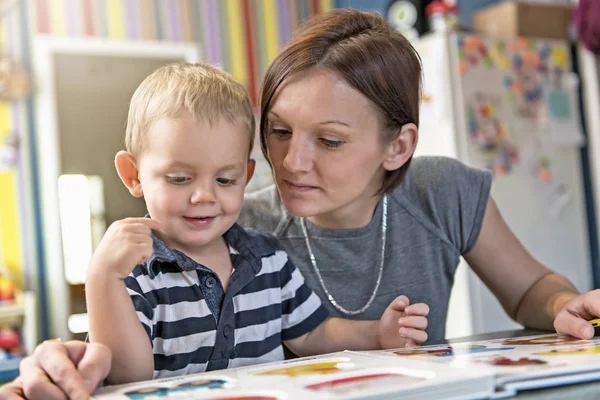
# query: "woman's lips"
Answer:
x=298 y=187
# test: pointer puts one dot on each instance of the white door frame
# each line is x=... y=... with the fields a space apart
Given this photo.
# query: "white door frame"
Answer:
x=589 y=70
x=47 y=136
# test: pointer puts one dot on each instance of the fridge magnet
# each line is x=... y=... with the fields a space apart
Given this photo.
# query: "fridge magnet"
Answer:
x=563 y=121
x=376 y=383
x=532 y=66
x=489 y=134
x=310 y=368
x=187 y=389
x=546 y=179
x=510 y=362
x=498 y=58
x=473 y=52
x=543 y=171
x=527 y=84
x=559 y=57
x=519 y=44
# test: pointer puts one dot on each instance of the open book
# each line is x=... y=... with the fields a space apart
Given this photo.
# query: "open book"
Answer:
x=484 y=369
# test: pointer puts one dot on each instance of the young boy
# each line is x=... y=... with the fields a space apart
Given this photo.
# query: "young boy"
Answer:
x=208 y=293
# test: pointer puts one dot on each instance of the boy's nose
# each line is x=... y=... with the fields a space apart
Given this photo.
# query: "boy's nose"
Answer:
x=203 y=194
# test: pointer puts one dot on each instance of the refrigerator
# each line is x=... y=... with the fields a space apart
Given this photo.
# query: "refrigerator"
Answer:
x=512 y=106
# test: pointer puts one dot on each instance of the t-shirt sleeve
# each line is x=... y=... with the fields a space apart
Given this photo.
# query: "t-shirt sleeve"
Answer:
x=301 y=309
x=453 y=196
x=143 y=308
x=262 y=210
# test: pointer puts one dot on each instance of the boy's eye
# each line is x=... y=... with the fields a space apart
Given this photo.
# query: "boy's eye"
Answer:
x=178 y=180
x=225 y=181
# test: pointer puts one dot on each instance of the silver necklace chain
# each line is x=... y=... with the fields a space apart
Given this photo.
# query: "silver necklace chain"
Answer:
x=381 y=262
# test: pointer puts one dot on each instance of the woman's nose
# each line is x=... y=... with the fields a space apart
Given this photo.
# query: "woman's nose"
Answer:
x=299 y=155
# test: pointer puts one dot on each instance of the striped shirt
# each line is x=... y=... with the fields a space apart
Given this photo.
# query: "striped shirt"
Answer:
x=195 y=326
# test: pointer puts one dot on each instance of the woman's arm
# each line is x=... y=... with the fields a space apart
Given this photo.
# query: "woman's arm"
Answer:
x=528 y=291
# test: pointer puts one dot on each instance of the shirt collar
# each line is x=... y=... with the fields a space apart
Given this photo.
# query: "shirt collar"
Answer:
x=236 y=238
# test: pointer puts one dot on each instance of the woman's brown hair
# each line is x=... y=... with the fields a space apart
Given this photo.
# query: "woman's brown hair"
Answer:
x=374 y=59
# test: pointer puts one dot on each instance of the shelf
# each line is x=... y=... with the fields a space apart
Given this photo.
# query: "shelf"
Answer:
x=9 y=369
x=12 y=310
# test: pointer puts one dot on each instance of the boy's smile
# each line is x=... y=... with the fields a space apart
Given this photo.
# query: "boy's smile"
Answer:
x=199 y=222
x=192 y=175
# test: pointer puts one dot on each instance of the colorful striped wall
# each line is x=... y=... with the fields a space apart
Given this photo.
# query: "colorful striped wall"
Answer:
x=242 y=36
x=15 y=205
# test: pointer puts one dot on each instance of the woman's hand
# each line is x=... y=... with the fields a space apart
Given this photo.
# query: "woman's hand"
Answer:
x=573 y=317
x=60 y=371
x=403 y=324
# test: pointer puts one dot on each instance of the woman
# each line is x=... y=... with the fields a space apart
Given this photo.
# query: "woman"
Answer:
x=339 y=117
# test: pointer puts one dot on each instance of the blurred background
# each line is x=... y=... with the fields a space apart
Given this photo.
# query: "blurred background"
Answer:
x=510 y=86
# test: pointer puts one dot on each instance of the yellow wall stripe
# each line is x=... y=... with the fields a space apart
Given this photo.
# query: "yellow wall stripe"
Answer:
x=9 y=233
x=325 y=5
x=237 y=42
x=271 y=30
x=56 y=8
x=115 y=19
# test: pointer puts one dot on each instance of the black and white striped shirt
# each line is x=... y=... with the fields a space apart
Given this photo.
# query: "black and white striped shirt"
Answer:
x=195 y=326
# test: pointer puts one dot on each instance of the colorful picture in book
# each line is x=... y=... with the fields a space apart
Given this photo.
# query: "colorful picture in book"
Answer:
x=489 y=134
x=548 y=340
x=313 y=368
x=511 y=362
x=571 y=351
x=190 y=388
x=449 y=351
x=363 y=383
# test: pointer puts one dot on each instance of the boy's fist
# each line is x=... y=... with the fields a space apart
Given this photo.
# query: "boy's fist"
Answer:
x=125 y=244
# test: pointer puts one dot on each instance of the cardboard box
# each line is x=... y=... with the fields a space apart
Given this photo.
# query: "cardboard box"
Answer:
x=512 y=18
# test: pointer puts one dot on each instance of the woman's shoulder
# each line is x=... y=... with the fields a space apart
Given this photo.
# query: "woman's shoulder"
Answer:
x=447 y=194
x=262 y=210
x=438 y=176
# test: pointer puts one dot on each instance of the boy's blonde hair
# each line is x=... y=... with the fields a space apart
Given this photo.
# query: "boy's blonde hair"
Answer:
x=199 y=89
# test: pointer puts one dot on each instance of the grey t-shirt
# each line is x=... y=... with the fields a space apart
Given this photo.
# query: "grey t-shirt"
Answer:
x=434 y=217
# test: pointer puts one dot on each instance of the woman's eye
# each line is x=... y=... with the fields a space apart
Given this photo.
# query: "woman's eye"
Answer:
x=331 y=143
x=225 y=181
x=178 y=180
x=280 y=133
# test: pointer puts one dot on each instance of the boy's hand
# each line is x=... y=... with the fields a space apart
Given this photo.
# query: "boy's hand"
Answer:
x=403 y=324
x=125 y=244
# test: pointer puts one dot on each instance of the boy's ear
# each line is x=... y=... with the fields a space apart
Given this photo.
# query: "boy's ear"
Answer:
x=127 y=169
x=402 y=148
x=251 y=166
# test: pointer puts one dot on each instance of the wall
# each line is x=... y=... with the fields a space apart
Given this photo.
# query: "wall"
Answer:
x=365 y=5
x=14 y=219
x=242 y=36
